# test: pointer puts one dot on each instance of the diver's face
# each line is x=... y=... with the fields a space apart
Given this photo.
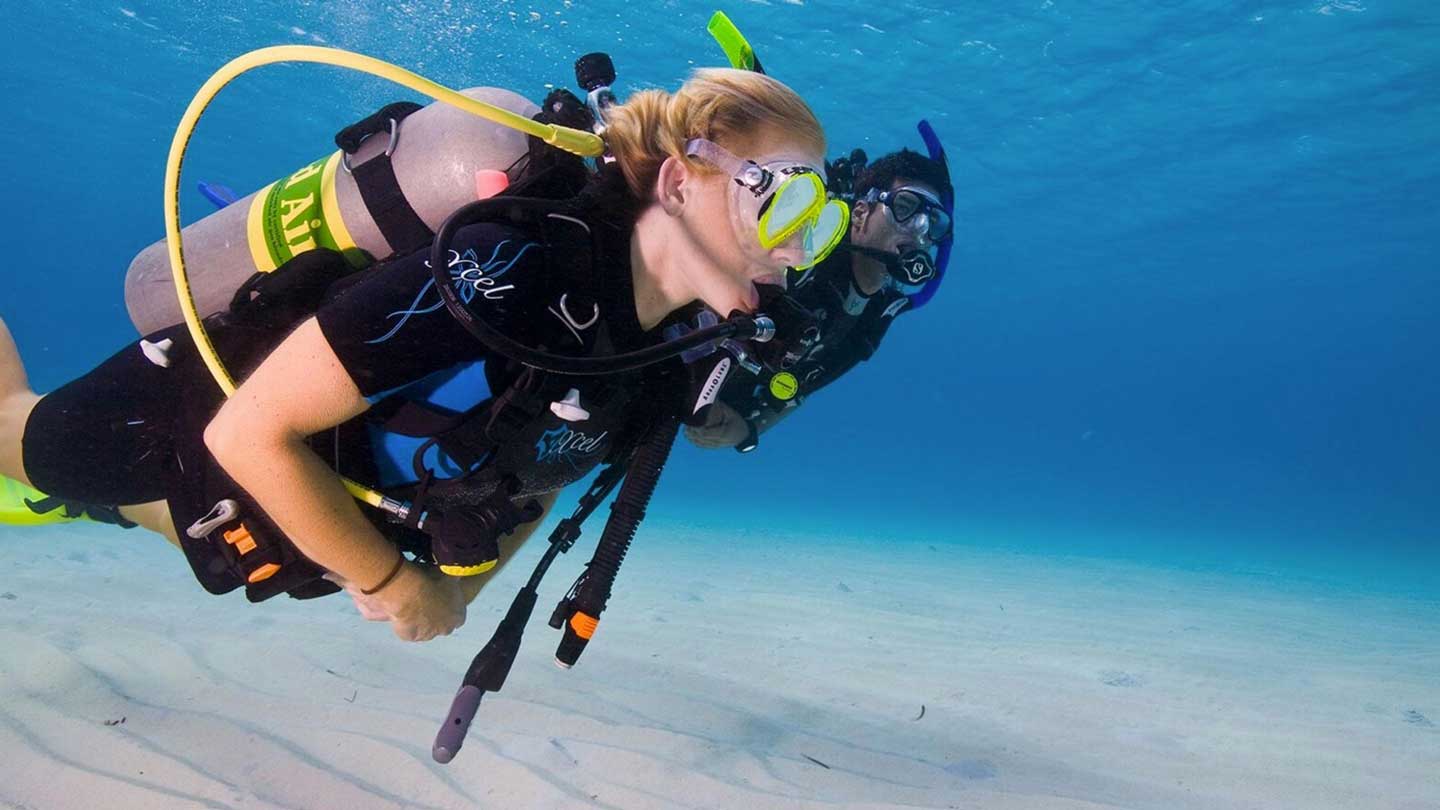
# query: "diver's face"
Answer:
x=737 y=263
x=872 y=226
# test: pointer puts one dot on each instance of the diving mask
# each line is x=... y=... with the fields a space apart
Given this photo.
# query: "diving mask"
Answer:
x=915 y=211
x=777 y=202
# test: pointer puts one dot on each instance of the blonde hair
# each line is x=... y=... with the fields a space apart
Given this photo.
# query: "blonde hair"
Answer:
x=734 y=108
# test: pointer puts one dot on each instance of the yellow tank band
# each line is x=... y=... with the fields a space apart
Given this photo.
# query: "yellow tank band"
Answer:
x=330 y=208
x=255 y=231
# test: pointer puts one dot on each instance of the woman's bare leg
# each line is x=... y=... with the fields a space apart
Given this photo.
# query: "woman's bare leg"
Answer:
x=16 y=402
x=154 y=516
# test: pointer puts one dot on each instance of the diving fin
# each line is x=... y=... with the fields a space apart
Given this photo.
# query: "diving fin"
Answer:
x=26 y=506
x=15 y=498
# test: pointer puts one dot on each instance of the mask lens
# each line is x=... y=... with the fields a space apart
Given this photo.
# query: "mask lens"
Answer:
x=904 y=204
x=939 y=225
x=921 y=214
x=920 y=224
x=825 y=232
x=794 y=203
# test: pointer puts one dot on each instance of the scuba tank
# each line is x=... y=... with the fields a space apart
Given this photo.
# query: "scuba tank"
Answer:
x=398 y=174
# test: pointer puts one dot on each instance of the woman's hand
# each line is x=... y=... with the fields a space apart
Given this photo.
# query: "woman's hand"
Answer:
x=420 y=603
x=724 y=427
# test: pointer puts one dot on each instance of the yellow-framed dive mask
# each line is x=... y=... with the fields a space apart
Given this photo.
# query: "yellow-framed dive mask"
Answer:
x=778 y=202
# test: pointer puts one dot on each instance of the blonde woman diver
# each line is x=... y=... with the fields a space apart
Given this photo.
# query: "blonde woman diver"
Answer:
x=698 y=212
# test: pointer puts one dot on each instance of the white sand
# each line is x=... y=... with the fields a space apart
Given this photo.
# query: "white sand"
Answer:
x=722 y=668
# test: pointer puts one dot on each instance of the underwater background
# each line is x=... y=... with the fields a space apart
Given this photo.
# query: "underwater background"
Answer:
x=1190 y=319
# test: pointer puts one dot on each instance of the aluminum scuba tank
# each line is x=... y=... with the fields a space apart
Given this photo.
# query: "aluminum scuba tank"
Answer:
x=438 y=155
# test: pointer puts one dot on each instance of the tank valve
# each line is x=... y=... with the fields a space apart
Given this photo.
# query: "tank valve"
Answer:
x=595 y=73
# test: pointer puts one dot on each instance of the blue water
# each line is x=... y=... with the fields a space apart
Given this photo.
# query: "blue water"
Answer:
x=1190 y=317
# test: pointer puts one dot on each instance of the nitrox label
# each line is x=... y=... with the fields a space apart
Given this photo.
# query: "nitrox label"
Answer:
x=297 y=214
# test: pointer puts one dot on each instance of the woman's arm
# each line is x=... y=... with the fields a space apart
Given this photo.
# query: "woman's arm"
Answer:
x=258 y=437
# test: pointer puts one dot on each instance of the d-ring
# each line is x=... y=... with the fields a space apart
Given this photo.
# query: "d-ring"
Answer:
x=389 y=147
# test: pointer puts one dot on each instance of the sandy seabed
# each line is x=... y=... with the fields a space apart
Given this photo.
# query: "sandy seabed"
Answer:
x=730 y=672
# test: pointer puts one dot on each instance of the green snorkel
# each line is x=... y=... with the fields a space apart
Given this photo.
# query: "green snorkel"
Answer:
x=734 y=43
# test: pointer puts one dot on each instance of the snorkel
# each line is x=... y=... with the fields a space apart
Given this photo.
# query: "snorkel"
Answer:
x=947 y=199
x=737 y=48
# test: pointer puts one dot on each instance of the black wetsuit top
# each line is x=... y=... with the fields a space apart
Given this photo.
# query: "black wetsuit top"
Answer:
x=851 y=328
x=390 y=329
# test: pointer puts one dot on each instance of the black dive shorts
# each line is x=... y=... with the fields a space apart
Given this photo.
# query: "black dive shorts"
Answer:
x=132 y=430
x=110 y=437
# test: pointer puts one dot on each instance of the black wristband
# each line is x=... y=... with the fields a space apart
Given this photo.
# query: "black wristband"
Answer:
x=390 y=577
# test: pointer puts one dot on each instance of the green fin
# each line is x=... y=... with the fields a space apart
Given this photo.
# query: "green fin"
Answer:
x=736 y=47
x=14 y=512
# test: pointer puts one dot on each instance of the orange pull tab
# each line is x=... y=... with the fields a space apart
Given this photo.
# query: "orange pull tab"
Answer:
x=262 y=573
x=584 y=625
x=240 y=538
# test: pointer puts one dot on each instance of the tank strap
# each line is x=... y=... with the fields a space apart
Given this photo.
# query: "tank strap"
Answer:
x=403 y=229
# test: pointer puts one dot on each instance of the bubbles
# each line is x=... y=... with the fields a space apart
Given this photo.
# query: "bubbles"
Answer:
x=1333 y=7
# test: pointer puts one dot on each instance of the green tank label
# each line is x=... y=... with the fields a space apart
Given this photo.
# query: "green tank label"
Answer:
x=297 y=214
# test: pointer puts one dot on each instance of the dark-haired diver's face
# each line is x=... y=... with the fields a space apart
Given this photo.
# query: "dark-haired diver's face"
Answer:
x=872 y=226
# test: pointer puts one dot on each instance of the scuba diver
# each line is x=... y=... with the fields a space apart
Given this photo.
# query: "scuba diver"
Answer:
x=705 y=197
x=890 y=262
